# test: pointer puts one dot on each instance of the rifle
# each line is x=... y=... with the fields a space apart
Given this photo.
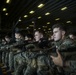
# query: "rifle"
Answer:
x=7 y=47
x=52 y=51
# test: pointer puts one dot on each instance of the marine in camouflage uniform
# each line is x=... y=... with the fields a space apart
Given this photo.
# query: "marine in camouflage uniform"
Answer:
x=25 y=67
x=18 y=59
x=43 y=61
x=3 y=51
x=19 y=40
x=28 y=64
x=67 y=60
x=63 y=47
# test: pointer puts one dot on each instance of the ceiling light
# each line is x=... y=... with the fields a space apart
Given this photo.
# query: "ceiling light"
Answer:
x=48 y=22
x=47 y=13
x=57 y=19
x=64 y=8
x=68 y=22
x=31 y=12
x=4 y=9
x=39 y=28
x=39 y=17
x=27 y=27
x=6 y=14
x=25 y=16
x=40 y=5
x=33 y=22
x=7 y=1
x=19 y=20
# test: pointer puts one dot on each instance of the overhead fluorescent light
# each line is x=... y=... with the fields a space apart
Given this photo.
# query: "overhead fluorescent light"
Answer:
x=68 y=22
x=47 y=13
x=19 y=20
x=27 y=27
x=64 y=8
x=39 y=28
x=31 y=12
x=6 y=14
x=57 y=19
x=25 y=16
x=33 y=22
x=40 y=5
x=48 y=22
x=39 y=17
x=4 y=9
x=7 y=1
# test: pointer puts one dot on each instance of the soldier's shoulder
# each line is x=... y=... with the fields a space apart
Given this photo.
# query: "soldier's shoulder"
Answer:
x=69 y=42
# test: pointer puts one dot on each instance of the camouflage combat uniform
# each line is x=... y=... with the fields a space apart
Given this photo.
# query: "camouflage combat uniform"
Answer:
x=65 y=45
